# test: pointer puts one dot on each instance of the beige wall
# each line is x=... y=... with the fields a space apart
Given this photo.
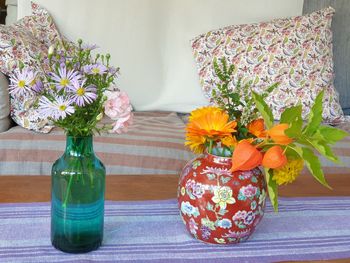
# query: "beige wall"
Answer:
x=149 y=39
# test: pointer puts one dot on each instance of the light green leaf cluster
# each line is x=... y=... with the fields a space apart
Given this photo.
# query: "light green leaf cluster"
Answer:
x=236 y=101
x=307 y=138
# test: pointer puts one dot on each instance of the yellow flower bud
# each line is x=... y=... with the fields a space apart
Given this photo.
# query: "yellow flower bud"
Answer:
x=99 y=117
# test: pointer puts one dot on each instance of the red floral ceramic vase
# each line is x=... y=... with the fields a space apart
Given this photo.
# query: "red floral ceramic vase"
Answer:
x=218 y=206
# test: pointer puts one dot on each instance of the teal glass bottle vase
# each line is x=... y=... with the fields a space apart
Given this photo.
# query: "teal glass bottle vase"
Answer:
x=77 y=198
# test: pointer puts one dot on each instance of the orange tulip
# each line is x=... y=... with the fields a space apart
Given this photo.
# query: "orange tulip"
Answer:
x=257 y=128
x=274 y=158
x=245 y=157
x=277 y=134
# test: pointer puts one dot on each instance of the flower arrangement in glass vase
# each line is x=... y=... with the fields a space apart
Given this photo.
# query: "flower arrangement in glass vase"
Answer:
x=236 y=138
x=74 y=89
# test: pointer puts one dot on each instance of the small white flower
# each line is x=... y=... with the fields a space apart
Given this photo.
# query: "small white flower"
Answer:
x=51 y=50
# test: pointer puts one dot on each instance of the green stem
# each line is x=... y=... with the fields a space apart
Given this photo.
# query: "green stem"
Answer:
x=68 y=191
x=210 y=146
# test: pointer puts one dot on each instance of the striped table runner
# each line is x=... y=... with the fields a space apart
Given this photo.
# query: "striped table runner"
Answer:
x=152 y=231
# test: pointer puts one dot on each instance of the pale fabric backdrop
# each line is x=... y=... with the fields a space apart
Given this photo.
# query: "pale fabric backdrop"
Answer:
x=150 y=39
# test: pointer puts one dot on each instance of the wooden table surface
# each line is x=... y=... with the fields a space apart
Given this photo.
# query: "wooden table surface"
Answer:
x=17 y=189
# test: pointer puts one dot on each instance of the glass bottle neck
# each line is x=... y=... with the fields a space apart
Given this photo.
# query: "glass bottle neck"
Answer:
x=79 y=146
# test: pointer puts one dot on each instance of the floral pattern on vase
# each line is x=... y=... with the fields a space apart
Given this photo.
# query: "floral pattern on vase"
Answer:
x=296 y=52
x=218 y=206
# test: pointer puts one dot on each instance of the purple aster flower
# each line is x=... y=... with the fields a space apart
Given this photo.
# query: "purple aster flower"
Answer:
x=81 y=94
x=21 y=82
x=77 y=65
x=37 y=86
x=95 y=69
x=64 y=78
x=88 y=46
x=57 y=109
x=113 y=70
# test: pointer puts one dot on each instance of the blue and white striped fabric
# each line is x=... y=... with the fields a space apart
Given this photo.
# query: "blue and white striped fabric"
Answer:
x=152 y=231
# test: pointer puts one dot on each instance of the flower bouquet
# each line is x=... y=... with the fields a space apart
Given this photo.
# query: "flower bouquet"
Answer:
x=74 y=89
x=223 y=191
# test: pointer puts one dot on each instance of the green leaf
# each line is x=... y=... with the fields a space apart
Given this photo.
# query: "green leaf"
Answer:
x=314 y=165
x=272 y=189
x=264 y=109
x=292 y=152
x=331 y=134
x=250 y=48
x=292 y=116
x=231 y=69
x=315 y=116
x=323 y=148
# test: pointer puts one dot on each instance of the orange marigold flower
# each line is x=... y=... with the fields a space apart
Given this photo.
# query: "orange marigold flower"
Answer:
x=196 y=143
x=208 y=123
x=229 y=141
x=274 y=158
x=203 y=111
x=245 y=157
x=257 y=128
x=277 y=134
x=213 y=124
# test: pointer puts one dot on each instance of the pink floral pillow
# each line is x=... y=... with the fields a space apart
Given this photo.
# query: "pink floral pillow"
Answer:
x=23 y=42
x=19 y=44
x=43 y=26
x=296 y=52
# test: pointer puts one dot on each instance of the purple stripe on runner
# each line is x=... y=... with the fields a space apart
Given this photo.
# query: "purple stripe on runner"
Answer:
x=315 y=240
x=19 y=214
x=174 y=201
x=176 y=250
x=192 y=248
x=194 y=242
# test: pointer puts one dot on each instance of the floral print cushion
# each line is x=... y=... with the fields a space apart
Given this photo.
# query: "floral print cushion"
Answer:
x=18 y=44
x=24 y=41
x=43 y=26
x=296 y=52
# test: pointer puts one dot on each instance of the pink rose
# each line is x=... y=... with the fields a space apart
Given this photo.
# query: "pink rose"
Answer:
x=118 y=108
x=117 y=105
x=122 y=124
